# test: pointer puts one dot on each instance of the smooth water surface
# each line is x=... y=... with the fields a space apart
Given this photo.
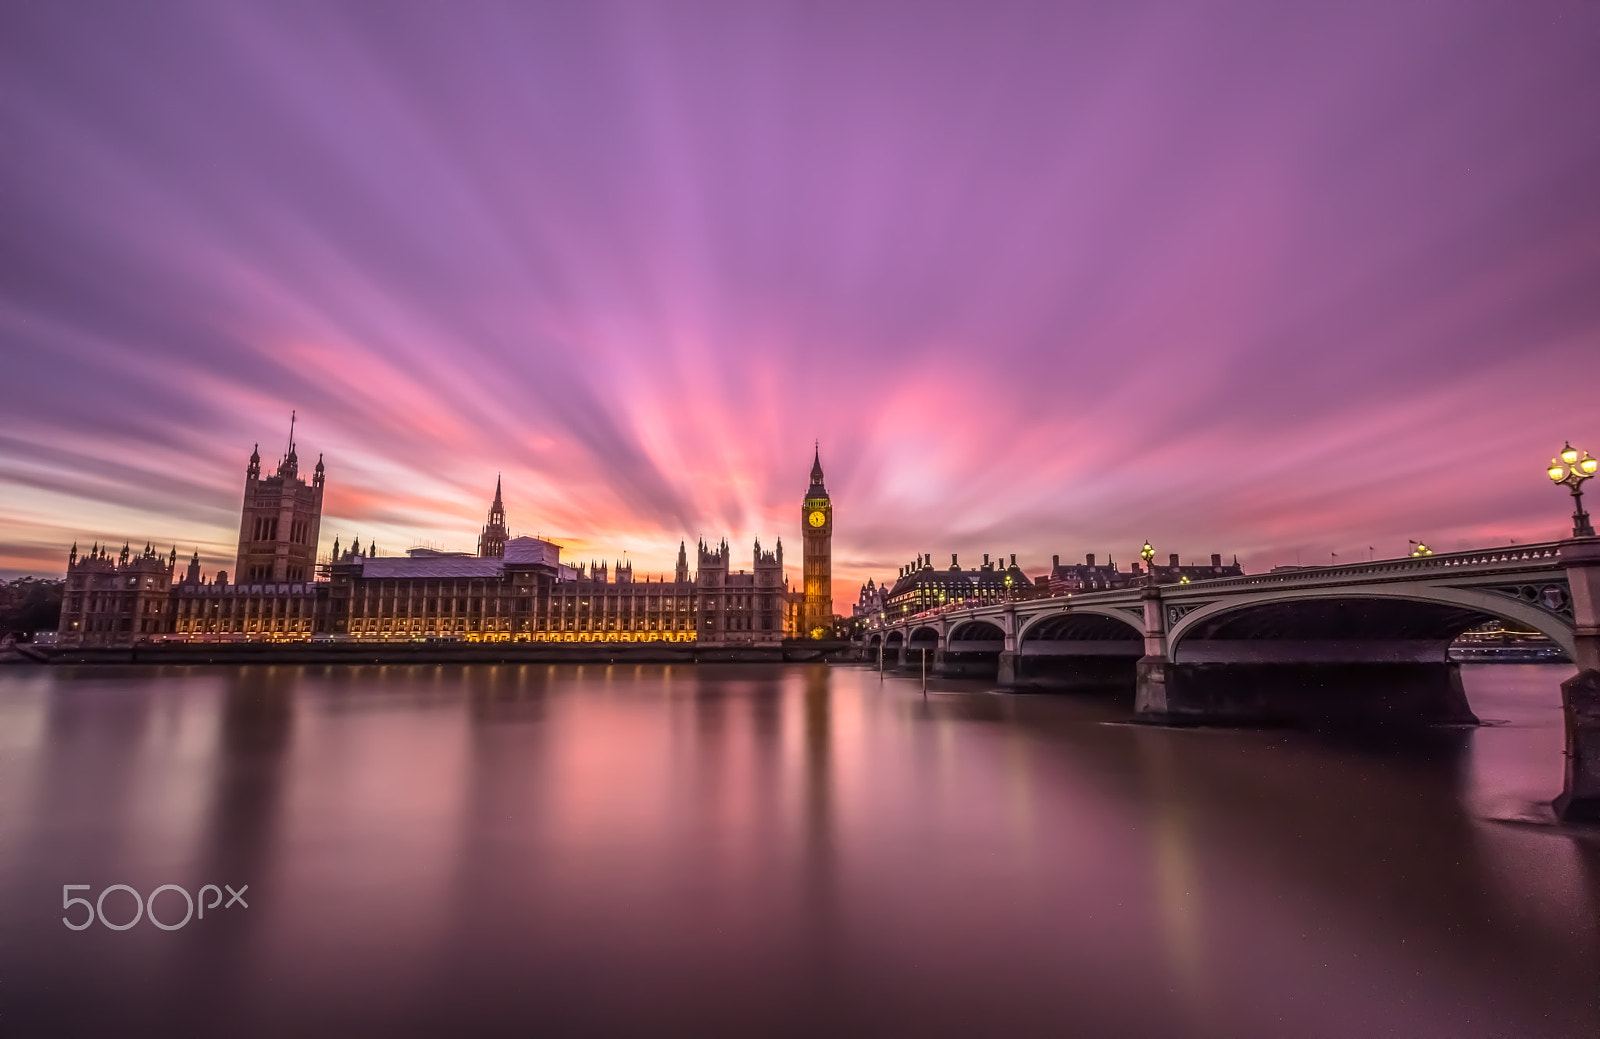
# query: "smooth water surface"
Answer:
x=773 y=850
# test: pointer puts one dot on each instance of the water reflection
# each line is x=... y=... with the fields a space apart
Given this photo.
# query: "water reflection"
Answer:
x=627 y=848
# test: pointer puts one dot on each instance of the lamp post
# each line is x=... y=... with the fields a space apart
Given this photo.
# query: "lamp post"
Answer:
x=1571 y=468
x=1147 y=553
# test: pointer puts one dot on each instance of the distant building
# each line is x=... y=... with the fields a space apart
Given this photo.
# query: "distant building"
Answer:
x=1176 y=573
x=250 y=610
x=1087 y=576
x=116 y=600
x=492 y=542
x=872 y=602
x=514 y=588
x=920 y=586
x=279 y=522
x=816 y=556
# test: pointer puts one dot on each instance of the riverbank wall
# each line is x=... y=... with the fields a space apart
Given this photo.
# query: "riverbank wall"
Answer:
x=324 y=653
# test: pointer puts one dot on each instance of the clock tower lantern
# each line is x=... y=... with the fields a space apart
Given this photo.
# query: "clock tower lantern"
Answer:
x=816 y=527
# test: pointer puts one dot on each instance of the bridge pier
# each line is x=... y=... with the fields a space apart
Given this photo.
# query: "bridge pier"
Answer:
x=1295 y=681
x=1580 y=695
x=1158 y=695
x=1580 y=793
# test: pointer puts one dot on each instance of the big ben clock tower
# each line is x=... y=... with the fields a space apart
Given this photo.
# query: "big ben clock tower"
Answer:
x=816 y=526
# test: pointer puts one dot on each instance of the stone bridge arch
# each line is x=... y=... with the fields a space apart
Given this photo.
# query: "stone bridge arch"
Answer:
x=922 y=643
x=972 y=648
x=894 y=647
x=1092 y=620
x=1370 y=653
x=1093 y=647
x=1413 y=622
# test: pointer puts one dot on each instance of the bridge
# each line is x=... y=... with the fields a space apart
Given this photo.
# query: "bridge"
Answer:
x=1357 y=641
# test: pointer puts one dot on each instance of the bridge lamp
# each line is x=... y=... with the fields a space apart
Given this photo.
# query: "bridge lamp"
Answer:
x=1570 y=469
x=1148 y=553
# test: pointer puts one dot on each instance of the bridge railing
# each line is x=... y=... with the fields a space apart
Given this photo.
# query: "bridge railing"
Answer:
x=1496 y=558
x=1510 y=557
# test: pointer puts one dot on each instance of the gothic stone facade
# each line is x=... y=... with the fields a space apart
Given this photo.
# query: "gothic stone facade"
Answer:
x=514 y=589
x=280 y=522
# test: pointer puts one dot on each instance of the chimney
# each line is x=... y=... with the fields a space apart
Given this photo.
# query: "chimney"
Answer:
x=986 y=560
x=1013 y=559
x=1089 y=559
x=1055 y=561
x=1172 y=560
x=1216 y=559
x=953 y=564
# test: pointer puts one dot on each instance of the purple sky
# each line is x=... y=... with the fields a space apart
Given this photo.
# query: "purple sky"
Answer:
x=1263 y=278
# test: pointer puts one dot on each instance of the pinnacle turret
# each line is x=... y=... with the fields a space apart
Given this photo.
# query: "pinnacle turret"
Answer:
x=492 y=542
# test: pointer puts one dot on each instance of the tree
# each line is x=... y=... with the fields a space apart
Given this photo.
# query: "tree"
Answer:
x=29 y=605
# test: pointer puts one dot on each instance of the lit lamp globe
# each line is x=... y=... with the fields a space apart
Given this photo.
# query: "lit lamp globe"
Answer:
x=1570 y=469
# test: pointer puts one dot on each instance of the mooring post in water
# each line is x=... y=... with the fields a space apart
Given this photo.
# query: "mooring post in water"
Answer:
x=924 y=670
x=880 y=659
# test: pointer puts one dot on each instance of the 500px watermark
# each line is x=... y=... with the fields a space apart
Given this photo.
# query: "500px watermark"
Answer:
x=146 y=907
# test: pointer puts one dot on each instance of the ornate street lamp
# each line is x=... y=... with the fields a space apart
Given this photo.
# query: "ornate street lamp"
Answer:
x=1572 y=468
x=1147 y=553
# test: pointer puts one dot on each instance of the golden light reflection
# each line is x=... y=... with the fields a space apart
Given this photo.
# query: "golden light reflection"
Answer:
x=1176 y=880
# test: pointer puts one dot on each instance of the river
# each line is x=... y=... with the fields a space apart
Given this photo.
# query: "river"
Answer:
x=761 y=850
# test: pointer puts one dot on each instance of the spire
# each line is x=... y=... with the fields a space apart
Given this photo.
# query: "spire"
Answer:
x=492 y=542
x=290 y=466
x=816 y=472
x=253 y=470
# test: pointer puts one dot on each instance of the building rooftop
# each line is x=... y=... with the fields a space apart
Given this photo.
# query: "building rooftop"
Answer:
x=521 y=551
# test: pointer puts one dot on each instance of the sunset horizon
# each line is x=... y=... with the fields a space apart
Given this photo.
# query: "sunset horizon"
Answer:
x=638 y=263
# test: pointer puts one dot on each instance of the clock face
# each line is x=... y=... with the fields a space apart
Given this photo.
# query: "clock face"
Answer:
x=817 y=518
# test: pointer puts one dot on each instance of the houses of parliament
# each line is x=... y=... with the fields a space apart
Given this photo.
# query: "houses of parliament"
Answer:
x=511 y=589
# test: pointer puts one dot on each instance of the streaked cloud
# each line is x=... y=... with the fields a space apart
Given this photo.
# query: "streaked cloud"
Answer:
x=1043 y=279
